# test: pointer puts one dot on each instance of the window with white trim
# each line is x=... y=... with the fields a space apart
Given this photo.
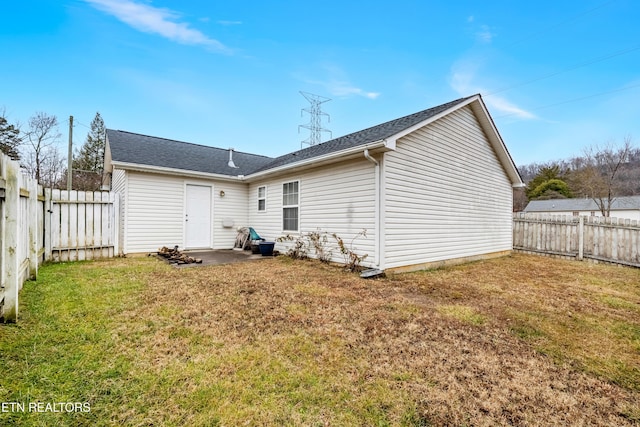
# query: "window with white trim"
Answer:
x=262 y=199
x=290 y=212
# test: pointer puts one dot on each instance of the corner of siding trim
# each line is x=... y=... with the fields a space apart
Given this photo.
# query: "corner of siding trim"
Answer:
x=446 y=263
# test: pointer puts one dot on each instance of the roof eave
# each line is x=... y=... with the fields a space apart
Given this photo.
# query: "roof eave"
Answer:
x=393 y=139
x=376 y=146
x=137 y=167
x=500 y=148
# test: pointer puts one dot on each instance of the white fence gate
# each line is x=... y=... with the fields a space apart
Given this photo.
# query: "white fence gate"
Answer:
x=82 y=225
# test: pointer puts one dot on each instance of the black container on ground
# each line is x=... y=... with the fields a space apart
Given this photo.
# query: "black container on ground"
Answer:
x=266 y=248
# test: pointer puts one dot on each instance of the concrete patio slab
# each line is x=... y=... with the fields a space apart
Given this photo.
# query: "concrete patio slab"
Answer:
x=221 y=256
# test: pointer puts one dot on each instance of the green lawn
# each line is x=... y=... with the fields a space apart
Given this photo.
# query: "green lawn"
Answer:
x=521 y=340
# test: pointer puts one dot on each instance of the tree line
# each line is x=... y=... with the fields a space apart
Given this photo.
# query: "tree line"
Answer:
x=36 y=147
x=602 y=173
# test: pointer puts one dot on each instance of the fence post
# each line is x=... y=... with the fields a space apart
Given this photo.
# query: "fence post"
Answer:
x=580 y=237
x=47 y=212
x=10 y=262
x=32 y=250
x=116 y=223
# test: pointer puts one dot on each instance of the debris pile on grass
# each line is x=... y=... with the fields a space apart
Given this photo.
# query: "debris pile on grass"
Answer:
x=174 y=256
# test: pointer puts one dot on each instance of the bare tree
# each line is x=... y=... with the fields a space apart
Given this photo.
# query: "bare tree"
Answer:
x=54 y=169
x=519 y=199
x=600 y=177
x=43 y=157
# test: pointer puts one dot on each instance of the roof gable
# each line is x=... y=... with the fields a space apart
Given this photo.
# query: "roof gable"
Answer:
x=363 y=137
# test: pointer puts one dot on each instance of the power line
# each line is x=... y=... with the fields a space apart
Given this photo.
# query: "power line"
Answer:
x=561 y=23
x=81 y=124
x=75 y=122
x=582 y=98
x=570 y=68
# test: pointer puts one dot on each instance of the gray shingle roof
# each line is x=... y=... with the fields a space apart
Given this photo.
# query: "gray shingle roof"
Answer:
x=363 y=137
x=148 y=150
x=571 y=205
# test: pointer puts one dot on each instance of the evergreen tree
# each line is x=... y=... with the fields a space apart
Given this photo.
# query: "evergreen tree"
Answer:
x=90 y=157
x=549 y=183
x=89 y=160
x=551 y=189
x=9 y=139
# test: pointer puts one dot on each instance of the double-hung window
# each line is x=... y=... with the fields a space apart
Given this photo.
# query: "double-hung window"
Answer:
x=262 y=199
x=290 y=205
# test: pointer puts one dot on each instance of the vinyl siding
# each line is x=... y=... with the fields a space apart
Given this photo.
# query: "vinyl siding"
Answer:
x=446 y=194
x=156 y=207
x=119 y=185
x=336 y=199
x=233 y=206
x=155 y=213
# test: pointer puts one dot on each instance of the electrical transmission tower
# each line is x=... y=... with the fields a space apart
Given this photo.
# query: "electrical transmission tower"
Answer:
x=315 y=119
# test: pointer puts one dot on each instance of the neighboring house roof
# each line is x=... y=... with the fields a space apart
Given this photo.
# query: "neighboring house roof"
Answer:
x=127 y=147
x=131 y=148
x=573 y=205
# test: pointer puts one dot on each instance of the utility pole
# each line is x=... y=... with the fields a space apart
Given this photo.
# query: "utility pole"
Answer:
x=70 y=159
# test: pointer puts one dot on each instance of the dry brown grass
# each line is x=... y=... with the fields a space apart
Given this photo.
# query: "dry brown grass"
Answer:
x=521 y=340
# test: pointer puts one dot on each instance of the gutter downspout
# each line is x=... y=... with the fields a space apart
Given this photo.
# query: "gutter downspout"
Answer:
x=377 y=205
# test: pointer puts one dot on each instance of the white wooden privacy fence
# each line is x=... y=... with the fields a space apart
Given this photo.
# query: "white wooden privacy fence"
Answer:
x=20 y=231
x=82 y=225
x=39 y=225
x=614 y=240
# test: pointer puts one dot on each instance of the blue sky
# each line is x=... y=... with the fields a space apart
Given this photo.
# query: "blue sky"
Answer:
x=556 y=75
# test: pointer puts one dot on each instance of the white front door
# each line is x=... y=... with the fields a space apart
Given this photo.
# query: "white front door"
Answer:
x=198 y=217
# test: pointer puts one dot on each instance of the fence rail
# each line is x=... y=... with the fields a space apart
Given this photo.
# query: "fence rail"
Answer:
x=615 y=240
x=39 y=225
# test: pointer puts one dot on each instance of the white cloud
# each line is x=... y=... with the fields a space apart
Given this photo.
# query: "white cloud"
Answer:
x=173 y=91
x=342 y=88
x=160 y=21
x=463 y=75
x=507 y=108
x=484 y=35
x=338 y=84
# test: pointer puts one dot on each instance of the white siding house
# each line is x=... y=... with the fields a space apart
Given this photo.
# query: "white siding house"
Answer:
x=446 y=194
x=431 y=187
